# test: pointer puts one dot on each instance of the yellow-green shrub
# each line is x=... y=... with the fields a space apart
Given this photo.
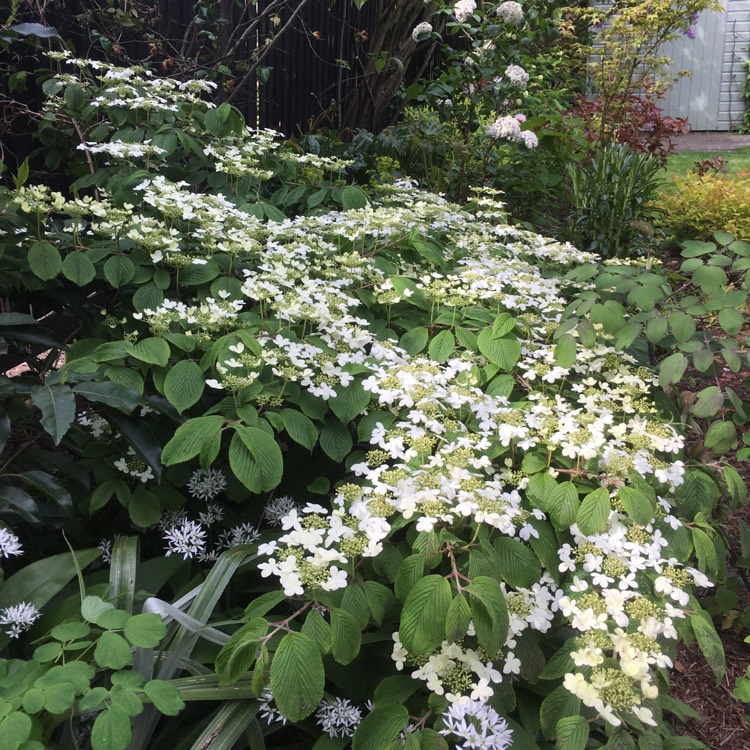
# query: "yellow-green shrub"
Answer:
x=698 y=205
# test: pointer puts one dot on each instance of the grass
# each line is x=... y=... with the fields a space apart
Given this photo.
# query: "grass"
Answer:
x=737 y=160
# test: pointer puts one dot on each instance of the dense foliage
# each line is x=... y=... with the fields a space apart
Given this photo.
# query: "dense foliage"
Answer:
x=362 y=476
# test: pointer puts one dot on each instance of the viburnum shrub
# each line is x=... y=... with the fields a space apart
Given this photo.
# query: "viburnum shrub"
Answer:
x=700 y=204
x=363 y=494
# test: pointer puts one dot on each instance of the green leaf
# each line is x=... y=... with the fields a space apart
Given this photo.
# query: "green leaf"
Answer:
x=504 y=351
x=457 y=619
x=112 y=394
x=112 y=651
x=572 y=733
x=709 y=278
x=710 y=643
x=119 y=270
x=15 y=728
x=316 y=627
x=422 y=625
x=353 y=197
x=255 y=458
x=300 y=428
x=239 y=652
x=345 y=636
x=639 y=507
x=78 y=268
x=565 y=350
x=682 y=325
x=708 y=402
x=58 y=406
x=44 y=260
x=336 y=441
x=165 y=696
x=594 y=512
x=656 y=329
x=297 y=676
x=381 y=726
x=442 y=346
x=721 y=437
x=154 y=351
x=145 y=630
x=672 y=369
x=557 y=705
x=562 y=505
x=379 y=599
x=184 y=384
x=144 y=508
x=490 y=613
x=349 y=402
x=415 y=340
x=111 y=730
x=190 y=438
x=731 y=320
x=410 y=571
x=519 y=566
x=148 y=297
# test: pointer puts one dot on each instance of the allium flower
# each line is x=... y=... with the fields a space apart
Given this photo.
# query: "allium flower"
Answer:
x=187 y=539
x=463 y=10
x=478 y=725
x=517 y=76
x=267 y=708
x=206 y=485
x=277 y=508
x=244 y=533
x=9 y=544
x=338 y=717
x=510 y=12
x=105 y=547
x=212 y=514
x=420 y=30
x=20 y=617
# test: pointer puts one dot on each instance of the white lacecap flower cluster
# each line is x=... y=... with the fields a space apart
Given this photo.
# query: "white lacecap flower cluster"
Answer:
x=510 y=12
x=421 y=30
x=134 y=466
x=463 y=10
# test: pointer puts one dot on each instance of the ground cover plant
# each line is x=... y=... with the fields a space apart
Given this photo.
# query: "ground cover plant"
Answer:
x=367 y=488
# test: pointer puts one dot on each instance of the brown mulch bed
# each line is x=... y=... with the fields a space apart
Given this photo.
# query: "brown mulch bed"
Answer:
x=724 y=725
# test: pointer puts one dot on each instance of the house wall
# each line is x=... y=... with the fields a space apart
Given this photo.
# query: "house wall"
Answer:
x=712 y=98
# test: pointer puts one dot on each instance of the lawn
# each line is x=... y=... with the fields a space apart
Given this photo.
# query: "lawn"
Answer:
x=737 y=160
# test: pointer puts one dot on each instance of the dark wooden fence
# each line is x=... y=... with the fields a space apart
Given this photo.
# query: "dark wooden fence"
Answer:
x=310 y=69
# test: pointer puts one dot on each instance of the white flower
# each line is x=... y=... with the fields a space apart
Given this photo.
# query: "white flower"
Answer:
x=510 y=12
x=19 y=618
x=206 y=485
x=188 y=539
x=420 y=30
x=463 y=9
x=9 y=544
x=277 y=508
x=267 y=708
x=528 y=138
x=477 y=725
x=338 y=717
x=517 y=76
